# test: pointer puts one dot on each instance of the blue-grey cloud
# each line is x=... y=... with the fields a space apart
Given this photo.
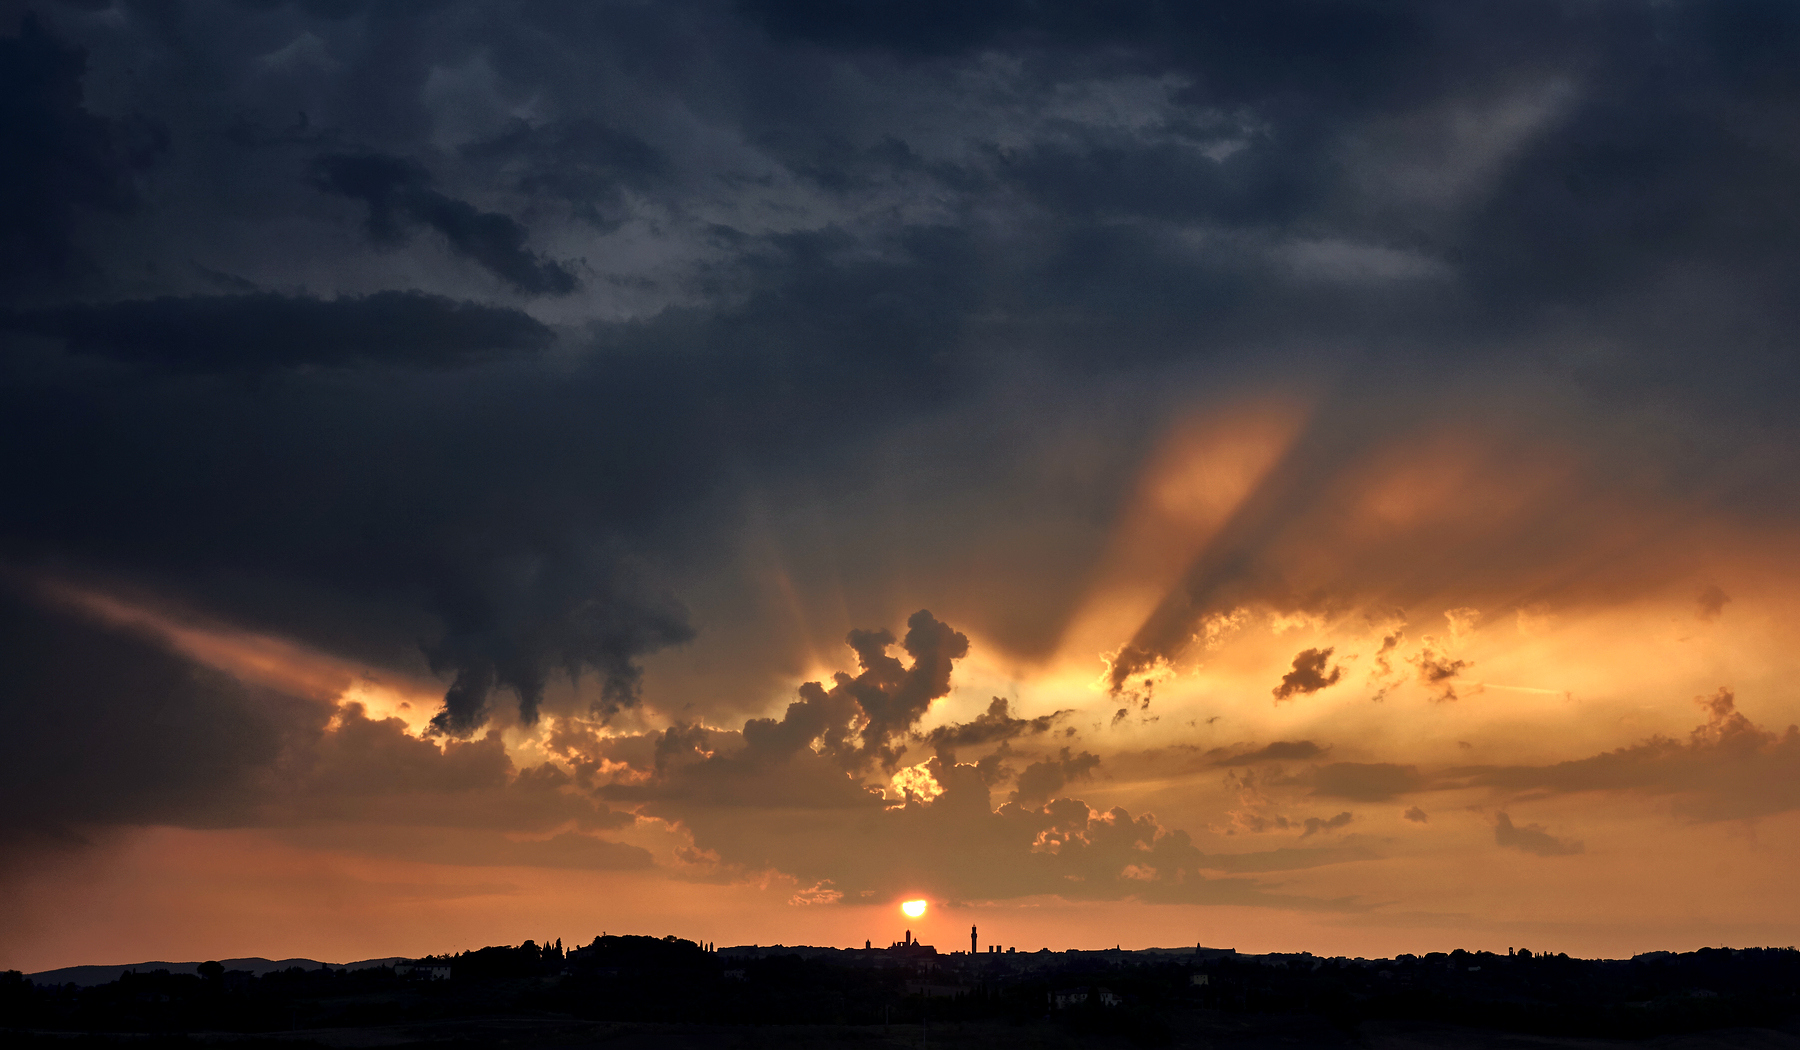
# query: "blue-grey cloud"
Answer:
x=399 y=196
x=256 y=333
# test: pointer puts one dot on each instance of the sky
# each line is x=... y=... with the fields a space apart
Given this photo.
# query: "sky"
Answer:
x=1305 y=475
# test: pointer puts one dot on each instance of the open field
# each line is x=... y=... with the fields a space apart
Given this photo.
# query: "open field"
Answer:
x=1203 y=1030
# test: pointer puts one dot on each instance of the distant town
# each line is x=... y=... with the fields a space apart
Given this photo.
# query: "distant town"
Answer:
x=671 y=991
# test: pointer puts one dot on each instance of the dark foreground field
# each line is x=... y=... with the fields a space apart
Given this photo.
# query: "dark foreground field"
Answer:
x=632 y=992
x=1206 y=1029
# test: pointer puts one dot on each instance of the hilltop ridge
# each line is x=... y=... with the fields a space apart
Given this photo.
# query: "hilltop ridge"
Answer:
x=88 y=976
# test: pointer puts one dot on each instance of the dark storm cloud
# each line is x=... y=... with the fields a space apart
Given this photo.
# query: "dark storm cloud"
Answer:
x=1532 y=838
x=583 y=162
x=58 y=159
x=109 y=726
x=1040 y=781
x=1309 y=675
x=893 y=697
x=106 y=726
x=399 y=196
x=790 y=796
x=813 y=758
x=509 y=627
x=1622 y=174
x=1366 y=781
x=994 y=726
x=263 y=332
x=1727 y=768
x=514 y=540
x=511 y=521
x=372 y=771
x=1438 y=673
x=1278 y=751
x=1383 y=667
x=1288 y=44
x=959 y=845
x=475 y=848
x=1315 y=825
x=863 y=719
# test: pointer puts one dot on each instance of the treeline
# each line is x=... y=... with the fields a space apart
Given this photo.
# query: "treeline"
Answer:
x=670 y=980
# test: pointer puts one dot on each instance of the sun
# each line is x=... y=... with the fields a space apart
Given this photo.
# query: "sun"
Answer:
x=913 y=909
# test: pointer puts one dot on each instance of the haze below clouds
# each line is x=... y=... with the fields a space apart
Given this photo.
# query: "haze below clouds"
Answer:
x=1290 y=476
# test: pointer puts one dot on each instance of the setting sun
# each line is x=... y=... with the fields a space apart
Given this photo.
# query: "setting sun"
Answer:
x=913 y=909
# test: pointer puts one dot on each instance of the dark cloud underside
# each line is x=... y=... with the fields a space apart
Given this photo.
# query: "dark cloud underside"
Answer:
x=399 y=195
x=109 y=726
x=1277 y=751
x=106 y=726
x=265 y=332
x=60 y=159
